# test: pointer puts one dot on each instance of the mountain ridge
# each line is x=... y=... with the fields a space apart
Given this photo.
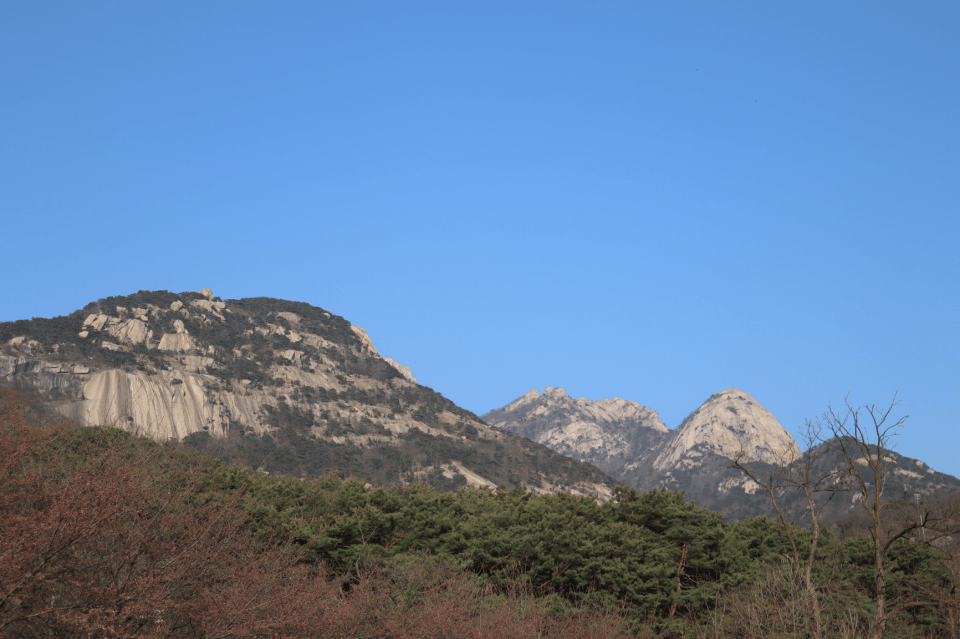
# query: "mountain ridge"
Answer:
x=696 y=456
x=272 y=384
x=607 y=433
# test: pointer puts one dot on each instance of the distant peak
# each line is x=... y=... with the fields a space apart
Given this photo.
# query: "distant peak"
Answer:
x=527 y=398
x=728 y=423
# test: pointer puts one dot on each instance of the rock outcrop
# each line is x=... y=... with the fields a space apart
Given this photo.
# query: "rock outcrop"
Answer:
x=44 y=375
x=404 y=370
x=608 y=433
x=729 y=424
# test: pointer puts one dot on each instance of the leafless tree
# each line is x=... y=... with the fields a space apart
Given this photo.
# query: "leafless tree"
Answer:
x=801 y=473
x=864 y=436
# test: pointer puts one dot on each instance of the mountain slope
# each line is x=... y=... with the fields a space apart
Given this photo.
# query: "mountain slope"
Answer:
x=629 y=441
x=278 y=385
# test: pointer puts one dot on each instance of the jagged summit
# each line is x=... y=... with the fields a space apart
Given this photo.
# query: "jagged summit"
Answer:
x=607 y=410
x=725 y=424
x=607 y=433
x=631 y=443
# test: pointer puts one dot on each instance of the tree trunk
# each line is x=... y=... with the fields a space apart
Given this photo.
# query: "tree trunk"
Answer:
x=683 y=558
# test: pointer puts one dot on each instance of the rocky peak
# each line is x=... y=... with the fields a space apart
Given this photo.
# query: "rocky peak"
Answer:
x=553 y=401
x=725 y=424
x=630 y=442
x=606 y=433
x=528 y=398
x=365 y=340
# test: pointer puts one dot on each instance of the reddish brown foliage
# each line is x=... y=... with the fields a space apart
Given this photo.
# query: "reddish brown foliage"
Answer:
x=116 y=547
x=114 y=542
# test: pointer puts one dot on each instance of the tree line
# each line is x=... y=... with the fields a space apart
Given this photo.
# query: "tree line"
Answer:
x=105 y=534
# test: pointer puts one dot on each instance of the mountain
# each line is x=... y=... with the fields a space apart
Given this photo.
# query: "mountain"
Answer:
x=728 y=423
x=609 y=434
x=629 y=442
x=271 y=384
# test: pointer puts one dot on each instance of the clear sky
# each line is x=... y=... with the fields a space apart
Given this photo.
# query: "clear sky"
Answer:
x=650 y=200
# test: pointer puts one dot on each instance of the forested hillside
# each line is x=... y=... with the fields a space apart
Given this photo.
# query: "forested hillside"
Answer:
x=104 y=533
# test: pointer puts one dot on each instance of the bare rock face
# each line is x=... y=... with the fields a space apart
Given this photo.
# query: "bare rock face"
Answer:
x=728 y=424
x=44 y=375
x=149 y=405
x=630 y=442
x=134 y=331
x=607 y=433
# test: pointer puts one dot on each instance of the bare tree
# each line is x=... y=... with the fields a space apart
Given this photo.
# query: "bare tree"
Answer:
x=819 y=488
x=864 y=435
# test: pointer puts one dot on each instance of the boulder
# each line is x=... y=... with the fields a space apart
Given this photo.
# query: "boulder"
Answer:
x=176 y=342
x=134 y=331
x=95 y=322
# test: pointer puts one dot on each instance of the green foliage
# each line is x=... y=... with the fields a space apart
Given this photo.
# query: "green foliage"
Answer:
x=140 y=299
x=611 y=555
x=63 y=329
x=439 y=482
x=653 y=556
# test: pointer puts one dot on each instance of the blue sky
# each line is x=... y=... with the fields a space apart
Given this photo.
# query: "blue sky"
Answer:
x=655 y=201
